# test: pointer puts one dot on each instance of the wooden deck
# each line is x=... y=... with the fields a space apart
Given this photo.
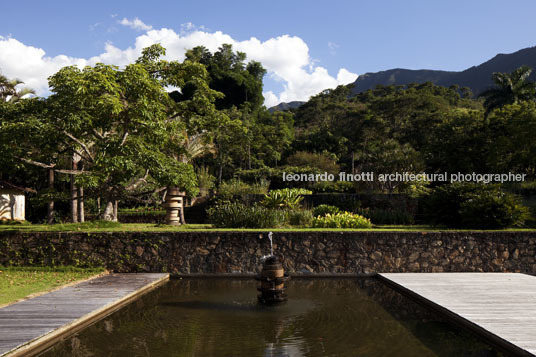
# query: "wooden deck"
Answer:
x=499 y=306
x=31 y=326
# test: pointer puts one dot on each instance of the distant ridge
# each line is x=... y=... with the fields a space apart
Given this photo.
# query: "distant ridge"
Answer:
x=477 y=78
x=286 y=106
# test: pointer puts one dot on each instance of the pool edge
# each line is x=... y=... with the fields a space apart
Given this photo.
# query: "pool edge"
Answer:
x=501 y=344
x=44 y=342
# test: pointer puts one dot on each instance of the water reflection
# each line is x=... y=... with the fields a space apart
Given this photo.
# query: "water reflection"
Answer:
x=344 y=317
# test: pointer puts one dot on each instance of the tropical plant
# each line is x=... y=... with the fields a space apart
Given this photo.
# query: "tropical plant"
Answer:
x=205 y=179
x=284 y=198
x=341 y=220
x=323 y=209
x=509 y=88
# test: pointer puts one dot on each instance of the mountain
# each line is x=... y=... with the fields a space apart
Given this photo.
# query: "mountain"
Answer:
x=477 y=78
x=285 y=106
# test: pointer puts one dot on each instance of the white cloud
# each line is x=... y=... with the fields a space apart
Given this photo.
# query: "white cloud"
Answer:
x=345 y=76
x=30 y=64
x=135 y=24
x=286 y=59
x=94 y=26
x=333 y=47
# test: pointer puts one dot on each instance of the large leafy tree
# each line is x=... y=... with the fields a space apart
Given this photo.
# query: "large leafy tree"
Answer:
x=509 y=88
x=512 y=130
x=191 y=110
x=121 y=125
x=229 y=74
x=115 y=123
x=27 y=143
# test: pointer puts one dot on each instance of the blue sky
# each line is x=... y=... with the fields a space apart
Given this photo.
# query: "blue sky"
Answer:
x=322 y=39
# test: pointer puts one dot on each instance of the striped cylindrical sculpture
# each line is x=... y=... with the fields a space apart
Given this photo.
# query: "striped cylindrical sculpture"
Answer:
x=174 y=205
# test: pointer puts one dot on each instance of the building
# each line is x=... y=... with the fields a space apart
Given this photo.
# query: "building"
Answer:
x=12 y=201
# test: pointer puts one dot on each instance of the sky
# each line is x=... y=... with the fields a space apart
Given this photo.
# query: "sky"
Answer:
x=306 y=46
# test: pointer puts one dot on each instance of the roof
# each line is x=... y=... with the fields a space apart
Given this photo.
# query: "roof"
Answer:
x=9 y=186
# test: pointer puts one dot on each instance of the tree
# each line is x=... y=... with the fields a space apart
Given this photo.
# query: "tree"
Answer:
x=28 y=145
x=117 y=123
x=273 y=135
x=512 y=130
x=240 y=83
x=191 y=111
x=509 y=88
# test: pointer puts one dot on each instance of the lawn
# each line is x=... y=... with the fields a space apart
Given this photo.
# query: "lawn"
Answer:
x=101 y=226
x=19 y=282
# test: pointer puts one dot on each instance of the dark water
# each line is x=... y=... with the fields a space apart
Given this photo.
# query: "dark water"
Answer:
x=217 y=317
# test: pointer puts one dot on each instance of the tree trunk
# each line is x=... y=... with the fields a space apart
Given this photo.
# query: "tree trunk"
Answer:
x=249 y=156
x=116 y=205
x=50 y=206
x=353 y=160
x=183 y=221
x=74 y=194
x=81 y=213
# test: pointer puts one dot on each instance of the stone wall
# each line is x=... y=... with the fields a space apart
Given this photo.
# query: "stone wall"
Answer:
x=304 y=252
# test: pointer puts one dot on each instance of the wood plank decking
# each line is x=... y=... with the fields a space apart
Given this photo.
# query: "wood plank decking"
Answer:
x=500 y=306
x=28 y=327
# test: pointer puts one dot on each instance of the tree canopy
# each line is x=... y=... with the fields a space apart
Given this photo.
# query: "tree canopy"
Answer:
x=118 y=132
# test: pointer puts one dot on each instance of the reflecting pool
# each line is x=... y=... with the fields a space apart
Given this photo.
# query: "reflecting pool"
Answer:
x=323 y=317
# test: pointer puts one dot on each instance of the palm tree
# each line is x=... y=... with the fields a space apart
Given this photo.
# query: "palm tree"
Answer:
x=194 y=146
x=9 y=92
x=509 y=88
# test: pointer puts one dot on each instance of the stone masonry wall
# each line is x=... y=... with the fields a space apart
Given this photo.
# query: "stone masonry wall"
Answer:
x=303 y=252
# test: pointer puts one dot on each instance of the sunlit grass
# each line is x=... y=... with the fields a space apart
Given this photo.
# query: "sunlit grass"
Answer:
x=19 y=282
x=103 y=226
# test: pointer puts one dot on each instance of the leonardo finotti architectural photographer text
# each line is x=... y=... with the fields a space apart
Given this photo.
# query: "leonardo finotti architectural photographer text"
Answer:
x=405 y=177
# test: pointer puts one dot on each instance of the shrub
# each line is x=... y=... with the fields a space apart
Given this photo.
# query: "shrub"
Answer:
x=238 y=215
x=275 y=175
x=387 y=216
x=302 y=218
x=228 y=190
x=322 y=210
x=284 y=198
x=474 y=205
x=342 y=220
x=309 y=159
x=333 y=186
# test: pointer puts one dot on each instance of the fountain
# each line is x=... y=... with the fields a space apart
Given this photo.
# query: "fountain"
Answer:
x=272 y=278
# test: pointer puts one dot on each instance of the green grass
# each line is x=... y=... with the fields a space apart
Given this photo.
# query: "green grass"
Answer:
x=101 y=226
x=19 y=282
